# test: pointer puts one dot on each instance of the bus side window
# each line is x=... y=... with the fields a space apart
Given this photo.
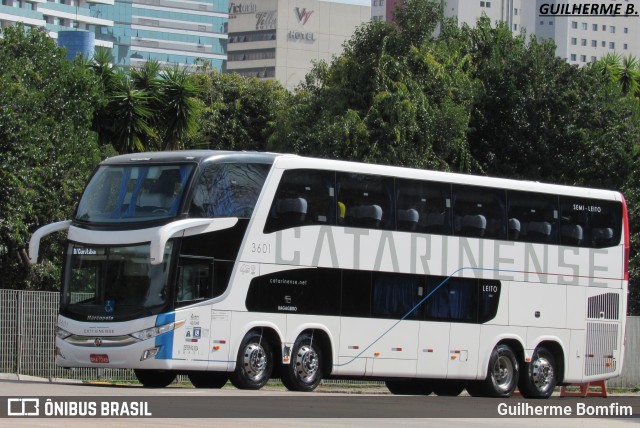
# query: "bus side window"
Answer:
x=195 y=280
x=356 y=293
x=367 y=200
x=479 y=212
x=430 y=202
x=536 y=214
x=590 y=222
x=304 y=197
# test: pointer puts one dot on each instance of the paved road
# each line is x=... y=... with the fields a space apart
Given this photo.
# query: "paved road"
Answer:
x=230 y=407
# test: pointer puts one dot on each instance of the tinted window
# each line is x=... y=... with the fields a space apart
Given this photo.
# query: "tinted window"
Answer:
x=423 y=207
x=395 y=295
x=304 y=197
x=533 y=217
x=479 y=212
x=228 y=190
x=453 y=299
x=356 y=293
x=365 y=201
x=590 y=222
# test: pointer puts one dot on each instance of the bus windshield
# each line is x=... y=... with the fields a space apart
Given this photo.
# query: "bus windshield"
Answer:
x=115 y=282
x=133 y=193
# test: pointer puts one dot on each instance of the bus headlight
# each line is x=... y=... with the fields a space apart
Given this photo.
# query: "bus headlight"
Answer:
x=152 y=332
x=61 y=333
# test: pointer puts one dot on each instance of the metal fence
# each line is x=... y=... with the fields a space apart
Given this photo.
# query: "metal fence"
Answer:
x=27 y=328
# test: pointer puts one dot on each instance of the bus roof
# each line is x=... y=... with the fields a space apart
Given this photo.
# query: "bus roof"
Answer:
x=289 y=161
x=198 y=156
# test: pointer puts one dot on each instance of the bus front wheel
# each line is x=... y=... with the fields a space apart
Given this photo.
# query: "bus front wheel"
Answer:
x=304 y=372
x=154 y=378
x=254 y=364
x=541 y=375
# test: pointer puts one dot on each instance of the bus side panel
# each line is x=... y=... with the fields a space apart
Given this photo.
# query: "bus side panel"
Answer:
x=395 y=352
x=537 y=305
x=464 y=341
x=356 y=336
x=192 y=340
x=574 y=371
x=433 y=350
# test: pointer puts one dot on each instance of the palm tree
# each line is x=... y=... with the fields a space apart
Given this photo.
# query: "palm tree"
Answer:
x=129 y=115
x=180 y=107
x=629 y=75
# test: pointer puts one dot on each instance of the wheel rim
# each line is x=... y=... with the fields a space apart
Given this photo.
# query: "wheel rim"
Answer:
x=255 y=361
x=503 y=373
x=307 y=364
x=542 y=374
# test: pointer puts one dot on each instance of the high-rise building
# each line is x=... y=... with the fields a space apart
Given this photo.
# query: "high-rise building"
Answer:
x=579 y=37
x=169 y=31
x=59 y=15
x=280 y=39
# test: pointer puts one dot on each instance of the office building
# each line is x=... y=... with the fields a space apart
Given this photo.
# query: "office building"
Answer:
x=280 y=39
x=579 y=38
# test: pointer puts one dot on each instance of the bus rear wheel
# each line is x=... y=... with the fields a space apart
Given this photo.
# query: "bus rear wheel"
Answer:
x=304 y=372
x=409 y=387
x=540 y=378
x=254 y=364
x=213 y=380
x=502 y=376
x=154 y=378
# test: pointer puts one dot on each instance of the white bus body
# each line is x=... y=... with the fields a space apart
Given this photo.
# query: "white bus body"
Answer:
x=430 y=281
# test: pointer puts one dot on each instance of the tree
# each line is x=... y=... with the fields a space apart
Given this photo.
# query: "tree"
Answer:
x=48 y=150
x=238 y=113
x=179 y=108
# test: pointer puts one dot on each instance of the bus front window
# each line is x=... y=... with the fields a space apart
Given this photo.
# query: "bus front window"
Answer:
x=114 y=282
x=133 y=193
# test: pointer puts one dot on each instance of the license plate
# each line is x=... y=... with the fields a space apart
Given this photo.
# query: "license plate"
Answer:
x=99 y=358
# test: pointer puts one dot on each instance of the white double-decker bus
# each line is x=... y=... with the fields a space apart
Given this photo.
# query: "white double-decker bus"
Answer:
x=248 y=266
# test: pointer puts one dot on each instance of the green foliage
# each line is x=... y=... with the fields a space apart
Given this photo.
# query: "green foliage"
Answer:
x=48 y=151
x=238 y=113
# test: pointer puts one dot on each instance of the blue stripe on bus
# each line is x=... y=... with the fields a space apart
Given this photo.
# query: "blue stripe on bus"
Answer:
x=165 y=341
x=424 y=299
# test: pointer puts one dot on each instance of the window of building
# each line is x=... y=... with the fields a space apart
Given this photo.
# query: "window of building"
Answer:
x=583 y=42
x=488 y=4
x=594 y=59
x=584 y=25
x=583 y=58
x=604 y=44
x=481 y=4
x=612 y=29
x=626 y=30
x=625 y=46
x=515 y=27
x=594 y=27
x=574 y=24
x=550 y=22
x=604 y=28
x=574 y=41
x=573 y=57
x=515 y=11
x=594 y=43
x=612 y=45
x=541 y=22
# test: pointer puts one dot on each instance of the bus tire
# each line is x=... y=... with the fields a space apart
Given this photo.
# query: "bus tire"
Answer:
x=502 y=375
x=154 y=378
x=540 y=376
x=254 y=364
x=214 y=380
x=448 y=388
x=304 y=372
x=409 y=387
